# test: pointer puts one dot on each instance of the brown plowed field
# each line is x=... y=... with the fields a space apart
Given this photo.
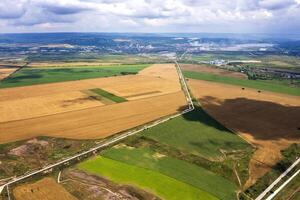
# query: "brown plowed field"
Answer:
x=65 y=110
x=270 y=121
x=213 y=70
x=46 y=189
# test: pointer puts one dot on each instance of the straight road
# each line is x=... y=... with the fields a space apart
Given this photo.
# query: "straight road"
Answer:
x=283 y=185
x=263 y=194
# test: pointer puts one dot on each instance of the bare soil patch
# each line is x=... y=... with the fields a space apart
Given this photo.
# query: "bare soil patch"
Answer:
x=270 y=121
x=213 y=70
x=87 y=187
x=46 y=189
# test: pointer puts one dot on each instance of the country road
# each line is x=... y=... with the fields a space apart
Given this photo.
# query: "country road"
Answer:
x=272 y=185
x=112 y=140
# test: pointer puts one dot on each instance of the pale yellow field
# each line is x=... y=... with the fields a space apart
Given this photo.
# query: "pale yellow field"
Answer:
x=6 y=71
x=45 y=189
x=30 y=107
x=121 y=85
x=96 y=122
x=65 y=110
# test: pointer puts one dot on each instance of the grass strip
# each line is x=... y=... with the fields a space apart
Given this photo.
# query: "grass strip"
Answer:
x=256 y=84
x=108 y=95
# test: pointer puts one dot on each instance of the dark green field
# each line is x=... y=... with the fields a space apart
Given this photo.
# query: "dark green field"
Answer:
x=197 y=133
x=33 y=76
x=257 y=84
x=108 y=95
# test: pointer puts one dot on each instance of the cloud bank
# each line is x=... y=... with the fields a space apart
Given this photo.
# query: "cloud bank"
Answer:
x=236 y=16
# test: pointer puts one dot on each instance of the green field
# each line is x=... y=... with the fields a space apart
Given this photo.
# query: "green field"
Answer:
x=257 y=84
x=190 y=157
x=191 y=174
x=197 y=133
x=97 y=57
x=108 y=95
x=158 y=184
x=33 y=76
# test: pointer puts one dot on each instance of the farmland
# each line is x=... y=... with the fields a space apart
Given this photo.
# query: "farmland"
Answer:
x=278 y=61
x=89 y=187
x=167 y=151
x=197 y=133
x=257 y=84
x=191 y=174
x=5 y=71
x=83 y=117
x=163 y=186
x=212 y=70
x=223 y=56
x=71 y=64
x=273 y=61
x=265 y=119
x=108 y=95
x=84 y=58
x=42 y=189
x=33 y=76
x=88 y=107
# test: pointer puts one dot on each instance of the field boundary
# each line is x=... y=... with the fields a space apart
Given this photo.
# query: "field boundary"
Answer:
x=113 y=140
x=19 y=68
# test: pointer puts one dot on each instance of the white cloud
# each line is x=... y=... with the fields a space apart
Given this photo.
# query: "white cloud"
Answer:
x=11 y=9
x=150 y=15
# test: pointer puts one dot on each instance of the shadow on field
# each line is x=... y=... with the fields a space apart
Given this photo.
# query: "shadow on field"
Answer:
x=22 y=77
x=264 y=120
x=199 y=115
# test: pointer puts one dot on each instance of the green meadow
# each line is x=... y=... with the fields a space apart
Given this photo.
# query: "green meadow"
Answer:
x=256 y=84
x=33 y=76
x=196 y=132
x=154 y=182
x=185 y=172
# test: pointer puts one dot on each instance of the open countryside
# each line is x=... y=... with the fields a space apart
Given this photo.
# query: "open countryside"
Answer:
x=149 y=116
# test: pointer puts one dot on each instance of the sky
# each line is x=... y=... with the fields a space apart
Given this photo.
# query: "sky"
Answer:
x=210 y=16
